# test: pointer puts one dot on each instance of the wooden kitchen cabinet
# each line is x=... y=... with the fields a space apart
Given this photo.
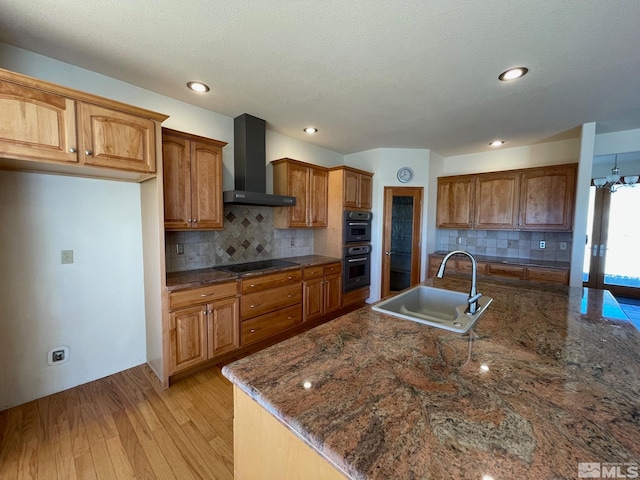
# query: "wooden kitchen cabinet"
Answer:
x=192 y=181
x=322 y=290
x=547 y=197
x=207 y=328
x=270 y=304
x=496 y=201
x=309 y=185
x=357 y=189
x=44 y=123
x=531 y=199
x=455 y=202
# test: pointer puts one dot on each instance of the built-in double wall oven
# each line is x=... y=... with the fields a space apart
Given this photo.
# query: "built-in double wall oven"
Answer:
x=357 y=250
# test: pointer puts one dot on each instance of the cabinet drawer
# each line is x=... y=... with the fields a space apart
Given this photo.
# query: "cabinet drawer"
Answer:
x=332 y=269
x=548 y=275
x=312 y=272
x=258 y=303
x=262 y=282
x=513 y=271
x=270 y=324
x=465 y=266
x=195 y=296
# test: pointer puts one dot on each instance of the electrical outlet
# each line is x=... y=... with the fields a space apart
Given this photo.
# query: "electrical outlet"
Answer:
x=543 y=244
x=563 y=245
x=58 y=355
x=458 y=240
x=293 y=242
x=179 y=248
x=67 y=256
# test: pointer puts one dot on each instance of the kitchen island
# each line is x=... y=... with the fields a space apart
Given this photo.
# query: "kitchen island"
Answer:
x=549 y=379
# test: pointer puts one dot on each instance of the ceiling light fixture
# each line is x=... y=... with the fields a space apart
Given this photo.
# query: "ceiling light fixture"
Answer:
x=613 y=182
x=513 y=73
x=198 y=87
x=310 y=130
x=496 y=143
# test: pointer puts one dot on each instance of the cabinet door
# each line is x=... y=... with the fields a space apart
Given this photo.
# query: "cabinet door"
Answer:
x=351 y=189
x=332 y=293
x=546 y=198
x=36 y=125
x=454 y=204
x=496 y=202
x=206 y=186
x=365 y=192
x=223 y=326
x=117 y=140
x=298 y=186
x=188 y=337
x=177 y=182
x=313 y=299
x=318 y=193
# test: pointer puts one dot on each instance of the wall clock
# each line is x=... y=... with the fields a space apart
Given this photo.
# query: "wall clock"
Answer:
x=405 y=174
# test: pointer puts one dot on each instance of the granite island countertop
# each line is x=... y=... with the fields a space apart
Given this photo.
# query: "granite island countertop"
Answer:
x=208 y=276
x=550 y=379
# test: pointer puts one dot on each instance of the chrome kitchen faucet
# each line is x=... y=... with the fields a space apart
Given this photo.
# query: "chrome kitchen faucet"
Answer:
x=473 y=294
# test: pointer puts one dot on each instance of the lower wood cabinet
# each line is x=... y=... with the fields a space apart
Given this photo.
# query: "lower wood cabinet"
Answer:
x=203 y=331
x=501 y=269
x=322 y=290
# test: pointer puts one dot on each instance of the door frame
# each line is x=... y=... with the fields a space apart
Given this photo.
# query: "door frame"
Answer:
x=416 y=242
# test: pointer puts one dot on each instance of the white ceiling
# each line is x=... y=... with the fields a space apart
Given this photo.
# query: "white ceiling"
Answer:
x=368 y=74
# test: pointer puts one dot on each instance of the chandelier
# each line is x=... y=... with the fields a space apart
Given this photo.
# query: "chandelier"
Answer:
x=614 y=181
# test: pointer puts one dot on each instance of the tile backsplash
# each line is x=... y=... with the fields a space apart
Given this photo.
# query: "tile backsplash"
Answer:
x=248 y=235
x=508 y=243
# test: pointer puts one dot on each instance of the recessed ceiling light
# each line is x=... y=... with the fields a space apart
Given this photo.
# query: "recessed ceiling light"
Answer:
x=513 y=73
x=496 y=143
x=310 y=130
x=198 y=87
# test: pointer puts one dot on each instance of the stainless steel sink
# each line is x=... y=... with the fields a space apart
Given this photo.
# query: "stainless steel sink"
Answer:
x=435 y=307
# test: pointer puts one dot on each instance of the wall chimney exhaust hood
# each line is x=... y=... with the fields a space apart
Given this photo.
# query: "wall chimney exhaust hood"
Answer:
x=250 y=169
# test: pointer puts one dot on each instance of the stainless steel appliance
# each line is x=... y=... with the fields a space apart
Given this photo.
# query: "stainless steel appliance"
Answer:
x=357 y=267
x=357 y=227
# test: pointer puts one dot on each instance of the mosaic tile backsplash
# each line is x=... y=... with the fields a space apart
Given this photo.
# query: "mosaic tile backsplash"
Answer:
x=248 y=235
x=511 y=244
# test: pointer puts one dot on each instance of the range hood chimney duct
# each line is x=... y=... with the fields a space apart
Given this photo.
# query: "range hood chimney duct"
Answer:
x=250 y=170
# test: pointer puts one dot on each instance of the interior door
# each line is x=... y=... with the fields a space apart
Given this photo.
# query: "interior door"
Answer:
x=611 y=260
x=401 y=238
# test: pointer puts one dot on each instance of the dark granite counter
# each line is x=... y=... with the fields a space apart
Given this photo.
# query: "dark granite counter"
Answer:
x=207 y=276
x=548 y=380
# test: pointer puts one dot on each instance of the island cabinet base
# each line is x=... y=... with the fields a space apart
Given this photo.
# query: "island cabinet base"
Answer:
x=263 y=448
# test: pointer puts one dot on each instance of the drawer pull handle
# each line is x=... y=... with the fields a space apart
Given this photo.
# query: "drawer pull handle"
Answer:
x=253 y=330
x=206 y=294
x=252 y=285
x=254 y=306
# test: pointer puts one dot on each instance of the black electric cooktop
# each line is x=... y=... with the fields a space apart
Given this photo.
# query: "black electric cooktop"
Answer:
x=253 y=266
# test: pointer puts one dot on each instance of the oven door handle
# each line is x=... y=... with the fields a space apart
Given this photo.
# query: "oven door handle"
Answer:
x=359 y=224
x=362 y=259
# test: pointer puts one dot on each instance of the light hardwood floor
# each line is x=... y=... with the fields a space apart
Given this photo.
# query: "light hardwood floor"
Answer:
x=123 y=426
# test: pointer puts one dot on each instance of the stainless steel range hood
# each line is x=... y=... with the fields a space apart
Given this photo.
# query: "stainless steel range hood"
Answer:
x=250 y=170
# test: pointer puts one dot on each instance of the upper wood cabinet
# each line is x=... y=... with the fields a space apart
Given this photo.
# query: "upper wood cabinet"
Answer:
x=192 y=168
x=531 y=199
x=547 y=197
x=309 y=184
x=357 y=189
x=455 y=202
x=45 y=124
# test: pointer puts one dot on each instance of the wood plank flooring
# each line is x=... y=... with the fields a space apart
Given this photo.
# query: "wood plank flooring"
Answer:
x=123 y=427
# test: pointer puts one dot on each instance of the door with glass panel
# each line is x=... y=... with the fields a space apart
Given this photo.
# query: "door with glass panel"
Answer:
x=401 y=242
x=612 y=255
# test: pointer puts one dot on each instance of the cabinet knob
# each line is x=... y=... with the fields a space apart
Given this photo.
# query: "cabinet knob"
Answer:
x=253 y=330
x=289 y=277
x=73 y=150
x=289 y=296
x=195 y=220
x=253 y=306
x=189 y=221
x=88 y=152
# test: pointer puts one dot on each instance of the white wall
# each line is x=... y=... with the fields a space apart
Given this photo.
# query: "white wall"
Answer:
x=94 y=306
x=384 y=163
